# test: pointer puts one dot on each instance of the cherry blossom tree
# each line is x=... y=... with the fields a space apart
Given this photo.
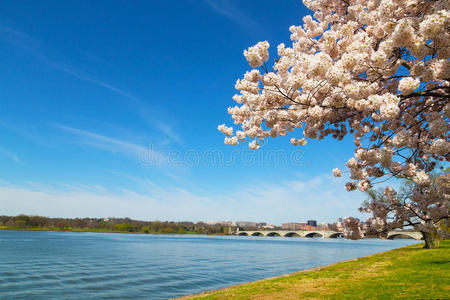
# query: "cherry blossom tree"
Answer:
x=427 y=214
x=375 y=69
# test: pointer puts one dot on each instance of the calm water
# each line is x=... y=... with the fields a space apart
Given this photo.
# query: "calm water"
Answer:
x=50 y=265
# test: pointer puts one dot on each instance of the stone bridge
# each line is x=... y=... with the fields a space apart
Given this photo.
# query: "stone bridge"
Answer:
x=320 y=233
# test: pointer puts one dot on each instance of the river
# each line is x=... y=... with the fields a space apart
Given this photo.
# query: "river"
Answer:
x=83 y=265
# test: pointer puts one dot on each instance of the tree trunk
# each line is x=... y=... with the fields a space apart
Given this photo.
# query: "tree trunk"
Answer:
x=430 y=240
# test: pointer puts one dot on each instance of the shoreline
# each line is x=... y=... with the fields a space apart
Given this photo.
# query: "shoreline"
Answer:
x=318 y=268
x=56 y=229
x=103 y=231
x=341 y=279
x=208 y=292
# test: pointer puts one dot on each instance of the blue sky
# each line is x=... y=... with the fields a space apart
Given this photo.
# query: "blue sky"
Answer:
x=111 y=109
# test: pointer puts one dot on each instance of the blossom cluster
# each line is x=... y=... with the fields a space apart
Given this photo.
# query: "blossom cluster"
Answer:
x=352 y=228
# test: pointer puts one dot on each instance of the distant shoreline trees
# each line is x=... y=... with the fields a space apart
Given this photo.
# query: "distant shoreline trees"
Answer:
x=112 y=224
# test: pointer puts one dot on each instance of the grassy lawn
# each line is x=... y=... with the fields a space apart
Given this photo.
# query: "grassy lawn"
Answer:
x=406 y=273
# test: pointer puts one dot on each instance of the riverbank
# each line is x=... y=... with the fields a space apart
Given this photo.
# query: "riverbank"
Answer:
x=409 y=272
x=99 y=230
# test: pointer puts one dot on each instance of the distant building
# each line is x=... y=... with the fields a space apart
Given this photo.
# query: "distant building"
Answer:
x=221 y=223
x=245 y=224
x=312 y=223
x=308 y=227
x=270 y=226
x=261 y=224
x=292 y=226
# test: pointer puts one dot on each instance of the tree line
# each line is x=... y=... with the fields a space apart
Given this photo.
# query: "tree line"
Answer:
x=111 y=224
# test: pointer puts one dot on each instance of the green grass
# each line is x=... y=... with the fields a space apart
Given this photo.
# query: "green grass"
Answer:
x=406 y=273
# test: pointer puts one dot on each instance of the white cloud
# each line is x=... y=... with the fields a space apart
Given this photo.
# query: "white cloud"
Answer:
x=322 y=198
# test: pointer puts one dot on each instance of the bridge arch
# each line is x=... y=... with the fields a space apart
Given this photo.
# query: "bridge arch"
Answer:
x=404 y=235
x=336 y=235
x=257 y=233
x=243 y=234
x=291 y=234
x=313 y=234
x=273 y=234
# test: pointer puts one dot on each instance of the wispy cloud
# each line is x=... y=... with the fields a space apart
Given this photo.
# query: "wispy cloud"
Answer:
x=159 y=120
x=119 y=144
x=83 y=188
x=28 y=131
x=21 y=40
x=78 y=74
x=40 y=51
x=10 y=155
x=227 y=9
x=168 y=131
x=40 y=187
x=148 y=187
x=115 y=145
x=139 y=105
